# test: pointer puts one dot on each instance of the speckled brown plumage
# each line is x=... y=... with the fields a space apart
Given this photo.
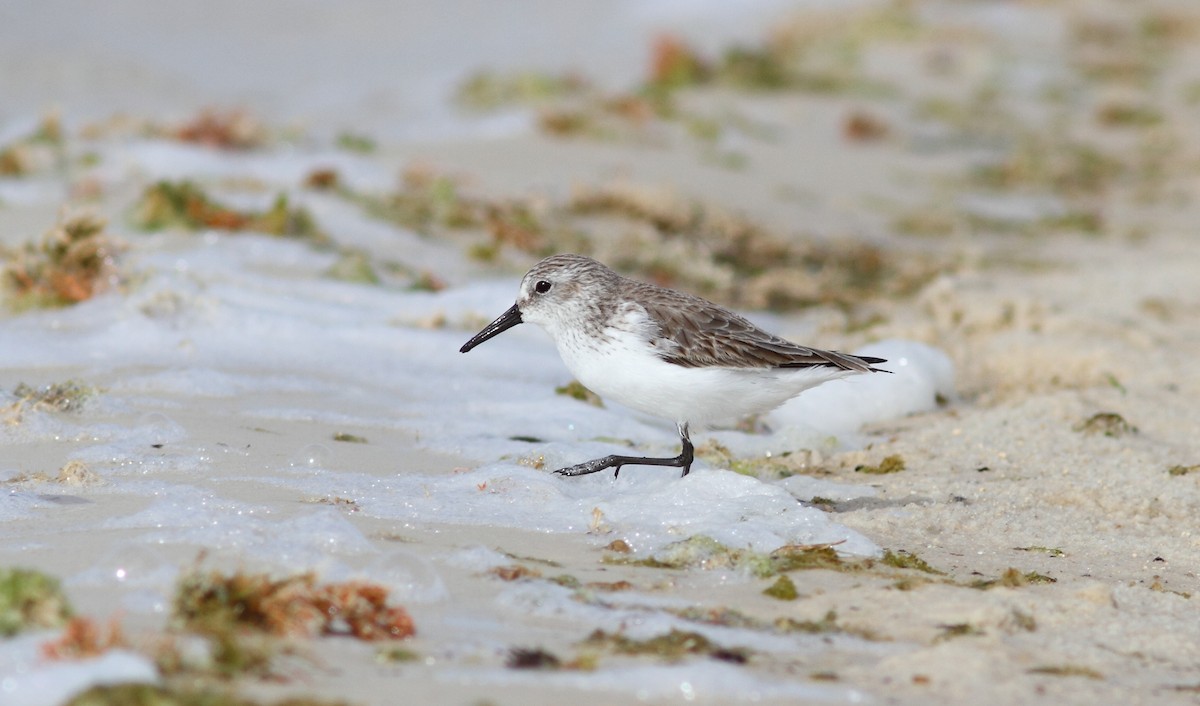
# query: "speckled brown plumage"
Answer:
x=704 y=334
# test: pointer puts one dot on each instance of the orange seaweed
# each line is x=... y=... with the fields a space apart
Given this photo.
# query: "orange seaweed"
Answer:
x=83 y=638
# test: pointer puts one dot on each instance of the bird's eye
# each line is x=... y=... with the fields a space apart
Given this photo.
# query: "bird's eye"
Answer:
x=541 y=287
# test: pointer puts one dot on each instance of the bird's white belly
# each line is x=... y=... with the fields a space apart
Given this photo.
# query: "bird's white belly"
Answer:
x=626 y=370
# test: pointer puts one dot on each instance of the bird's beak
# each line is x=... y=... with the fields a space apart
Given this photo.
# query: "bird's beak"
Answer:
x=504 y=322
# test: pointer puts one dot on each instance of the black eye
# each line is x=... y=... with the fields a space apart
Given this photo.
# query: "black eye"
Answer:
x=541 y=287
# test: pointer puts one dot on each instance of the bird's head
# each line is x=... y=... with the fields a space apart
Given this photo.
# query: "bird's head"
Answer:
x=556 y=293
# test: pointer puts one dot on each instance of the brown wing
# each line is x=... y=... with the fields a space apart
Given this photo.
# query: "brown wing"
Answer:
x=706 y=335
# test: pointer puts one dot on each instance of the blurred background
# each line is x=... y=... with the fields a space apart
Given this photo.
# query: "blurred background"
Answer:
x=385 y=67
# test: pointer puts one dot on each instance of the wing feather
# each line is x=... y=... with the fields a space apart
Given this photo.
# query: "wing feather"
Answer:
x=699 y=334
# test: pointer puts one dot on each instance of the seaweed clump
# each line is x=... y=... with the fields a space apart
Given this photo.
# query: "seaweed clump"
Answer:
x=671 y=647
x=30 y=600
x=234 y=130
x=67 y=396
x=1108 y=424
x=35 y=151
x=576 y=390
x=429 y=202
x=784 y=589
x=662 y=237
x=488 y=90
x=155 y=695
x=295 y=606
x=908 y=560
x=424 y=202
x=704 y=552
x=184 y=204
x=349 y=438
x=243 y=616
x=742 y=262
x=1013 y=578
x=84 y=638
x=72 y=473
x=73 y=261
x=1066 y=670
x=890 y=464
x=817 y=54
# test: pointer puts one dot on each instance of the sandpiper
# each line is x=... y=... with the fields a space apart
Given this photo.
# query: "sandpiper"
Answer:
x=662 y=352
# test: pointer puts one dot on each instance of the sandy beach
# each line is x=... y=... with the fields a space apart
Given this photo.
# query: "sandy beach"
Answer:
x=247 y=362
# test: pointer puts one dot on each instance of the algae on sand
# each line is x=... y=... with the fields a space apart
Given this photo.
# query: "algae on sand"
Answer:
x=1108 y=424
x=30 y=600
x=155 y=695
x=576 y=390
x=184 y=204
x=784 y=589
x=73 y=261
x=890 y=464
x=907 y=560
x=701 y=551
x=213 y=603
x=670 y=647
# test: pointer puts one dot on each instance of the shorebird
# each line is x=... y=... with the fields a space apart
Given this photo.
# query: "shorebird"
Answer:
x=662 y=352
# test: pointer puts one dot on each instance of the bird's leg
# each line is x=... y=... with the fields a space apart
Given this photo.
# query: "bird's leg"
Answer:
x=683 y=460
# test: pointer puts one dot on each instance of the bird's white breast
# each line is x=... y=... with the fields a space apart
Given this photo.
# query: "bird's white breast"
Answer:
x=623 y=366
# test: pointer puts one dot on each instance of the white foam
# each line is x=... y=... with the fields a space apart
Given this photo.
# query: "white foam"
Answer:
x=234 y=331
x=648 y=507
x=920 y=375
x=26 y=679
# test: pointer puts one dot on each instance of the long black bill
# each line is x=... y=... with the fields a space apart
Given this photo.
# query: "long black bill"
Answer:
x=507 y=320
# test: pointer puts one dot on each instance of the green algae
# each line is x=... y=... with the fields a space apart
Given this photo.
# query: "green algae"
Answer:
x=349 y=438
x=575 y=390
x=30 y=600
x=907 y=560
x=532 y=658
x=154 y=695
x=958 y=630
x=1108 y=424
x=357 y=143
x=890 y=464
x=703 y=552
x=670 y=647
x=490 y=90
x=70 y=263
x=185 y=205
x=784 y=589
x=354 y=266
x=66 y=396
x=1067 y=670
x=392 y=654
x=1013 y=578
x=827 y=624
x=1051 y=551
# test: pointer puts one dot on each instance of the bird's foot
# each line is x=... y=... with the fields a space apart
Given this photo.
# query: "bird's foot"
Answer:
x=594 y=466
x=683 y=460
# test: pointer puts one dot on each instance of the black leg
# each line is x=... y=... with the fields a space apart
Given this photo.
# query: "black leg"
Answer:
x=683 y=460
